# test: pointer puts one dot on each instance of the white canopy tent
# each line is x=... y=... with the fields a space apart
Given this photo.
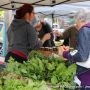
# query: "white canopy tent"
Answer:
x=13 y=4
x=63 y=9
x=55 y=11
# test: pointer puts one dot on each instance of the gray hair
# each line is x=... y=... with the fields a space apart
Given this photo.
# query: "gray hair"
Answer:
x=83 y=15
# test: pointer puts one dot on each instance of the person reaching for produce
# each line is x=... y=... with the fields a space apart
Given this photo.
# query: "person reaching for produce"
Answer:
x=69 y=36
x=43 y=28
x=22 y=37
x=80 y=56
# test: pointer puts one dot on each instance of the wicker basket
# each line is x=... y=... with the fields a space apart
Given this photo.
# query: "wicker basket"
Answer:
x=47 y=51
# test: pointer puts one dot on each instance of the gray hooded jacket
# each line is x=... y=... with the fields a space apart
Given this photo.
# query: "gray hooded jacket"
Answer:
x=22 y=36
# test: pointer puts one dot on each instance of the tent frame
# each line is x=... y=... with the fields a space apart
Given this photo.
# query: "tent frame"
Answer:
x=12 y=3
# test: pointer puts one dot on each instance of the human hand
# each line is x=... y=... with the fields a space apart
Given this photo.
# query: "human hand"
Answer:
x=46 y=37
x=56 y=33
x=66 y=48
x=61 y=49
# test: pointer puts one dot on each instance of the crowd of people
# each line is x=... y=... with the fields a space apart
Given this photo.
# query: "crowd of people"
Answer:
x=23 y=37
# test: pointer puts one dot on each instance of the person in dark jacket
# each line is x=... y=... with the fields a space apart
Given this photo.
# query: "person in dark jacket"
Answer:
x=22 y=37
x=80 y=56
x=69 y=36
x=44 y=28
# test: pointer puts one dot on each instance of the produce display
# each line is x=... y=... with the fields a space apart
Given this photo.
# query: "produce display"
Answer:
x=38 y=73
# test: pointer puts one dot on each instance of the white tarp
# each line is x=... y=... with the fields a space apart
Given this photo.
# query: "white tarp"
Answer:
x=9 y=4
x=63 y=9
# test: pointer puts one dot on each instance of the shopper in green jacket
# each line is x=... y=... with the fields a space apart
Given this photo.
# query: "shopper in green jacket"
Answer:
x=69 y=35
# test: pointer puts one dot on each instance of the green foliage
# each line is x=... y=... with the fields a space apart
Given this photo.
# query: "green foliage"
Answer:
x=14 y=82
x=38 y=68
x=35 y=54
x=13 y=66
x=54 y=80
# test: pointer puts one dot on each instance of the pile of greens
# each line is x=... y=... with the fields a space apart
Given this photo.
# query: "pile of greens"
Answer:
x=11 y=81
x=38 y=72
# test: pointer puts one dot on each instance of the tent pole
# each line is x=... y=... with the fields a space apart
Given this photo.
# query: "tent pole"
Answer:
x=52 y=19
